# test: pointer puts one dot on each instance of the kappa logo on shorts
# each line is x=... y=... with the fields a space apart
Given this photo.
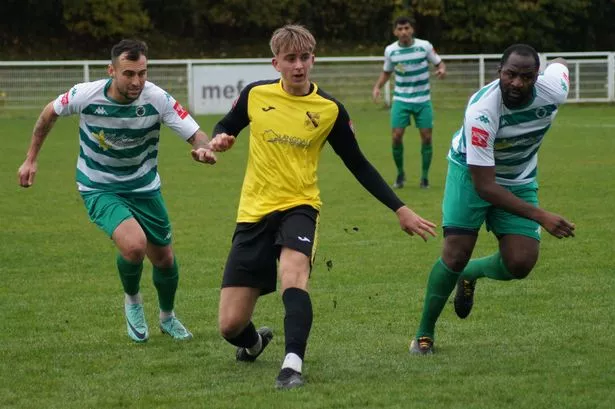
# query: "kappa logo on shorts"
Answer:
x=304 y=239
x=168 y=236
x=479 y=137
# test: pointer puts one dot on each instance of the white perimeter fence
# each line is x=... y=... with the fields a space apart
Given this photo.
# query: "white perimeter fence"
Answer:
x=211 y=85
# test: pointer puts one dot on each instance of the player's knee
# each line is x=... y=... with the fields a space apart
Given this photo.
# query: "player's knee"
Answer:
x=456 y=258
x=134 y=250
x=519 y=267
x=163 y=259
x=426 y=138
x=230 y=327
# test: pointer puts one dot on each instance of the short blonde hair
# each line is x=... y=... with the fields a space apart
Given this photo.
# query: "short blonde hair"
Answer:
x=292 y=37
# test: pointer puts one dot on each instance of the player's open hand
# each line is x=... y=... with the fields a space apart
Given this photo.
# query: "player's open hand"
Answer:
x=412 y=223
x=441 y=72
x=556 y=225
x=26 y=173
x=204 y=155
x=222 y=142
x=375 y=94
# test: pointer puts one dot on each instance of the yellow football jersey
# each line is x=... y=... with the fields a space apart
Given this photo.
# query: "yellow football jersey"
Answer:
x=287 y=134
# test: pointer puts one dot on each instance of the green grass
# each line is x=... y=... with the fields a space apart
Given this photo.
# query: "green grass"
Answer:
x=544 y=342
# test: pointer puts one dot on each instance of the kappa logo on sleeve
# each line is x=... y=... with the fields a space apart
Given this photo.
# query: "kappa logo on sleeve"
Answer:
x=479 y=137
x=64 y=100
x=181 y=112
x=566 y=78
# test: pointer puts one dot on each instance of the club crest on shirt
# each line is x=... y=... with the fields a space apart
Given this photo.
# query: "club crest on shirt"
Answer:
x=541 y=112
x=312 y=120
x=140 y=111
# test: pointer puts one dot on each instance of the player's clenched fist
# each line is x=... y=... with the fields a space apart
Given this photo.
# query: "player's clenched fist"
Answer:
x=222 y=142
x=26 y=173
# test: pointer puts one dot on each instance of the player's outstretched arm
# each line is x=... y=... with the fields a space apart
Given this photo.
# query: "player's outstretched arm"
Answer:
x=201 y=151
x=43 y=125
x=483 y=178
x=344 y=143
x=412 y=223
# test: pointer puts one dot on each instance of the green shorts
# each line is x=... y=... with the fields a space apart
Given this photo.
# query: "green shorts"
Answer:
x=108 y=210
x=402 y=111
x=462 y=207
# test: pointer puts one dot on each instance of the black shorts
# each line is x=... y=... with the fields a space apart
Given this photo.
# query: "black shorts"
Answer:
x=252 y=261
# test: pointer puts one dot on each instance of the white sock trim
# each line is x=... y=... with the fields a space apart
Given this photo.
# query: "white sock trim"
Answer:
x=292 y=361
x=257 y=347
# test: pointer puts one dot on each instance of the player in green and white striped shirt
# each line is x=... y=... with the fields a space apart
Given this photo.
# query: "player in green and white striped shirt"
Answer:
x=409 y=57
x=117 y=173
x=492 y=179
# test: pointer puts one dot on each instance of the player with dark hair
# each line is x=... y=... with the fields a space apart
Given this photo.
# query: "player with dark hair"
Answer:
x=492 y=179
x=117 y=174
x=409 y=58
x=290 y=121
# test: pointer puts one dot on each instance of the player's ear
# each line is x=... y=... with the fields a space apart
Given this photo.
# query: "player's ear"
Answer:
x=274 y=62
x=110 y=70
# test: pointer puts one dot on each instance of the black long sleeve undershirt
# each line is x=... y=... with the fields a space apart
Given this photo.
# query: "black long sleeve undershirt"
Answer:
x=344 y=143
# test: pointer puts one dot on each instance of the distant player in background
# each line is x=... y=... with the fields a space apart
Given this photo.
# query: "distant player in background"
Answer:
x=290 y=121
x=117 y=173
x=492 y=179
x=409 y=57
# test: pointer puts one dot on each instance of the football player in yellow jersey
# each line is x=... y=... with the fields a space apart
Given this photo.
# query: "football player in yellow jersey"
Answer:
x=290 y=120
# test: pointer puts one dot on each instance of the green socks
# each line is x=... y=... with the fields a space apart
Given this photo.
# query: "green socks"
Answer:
x=491 y=267
x=440 y=284
x=398 y=157
x=426 y=155
x=130 y=274
x=165 y=281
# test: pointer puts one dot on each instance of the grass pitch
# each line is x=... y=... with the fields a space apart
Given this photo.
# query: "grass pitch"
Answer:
x=544 y=342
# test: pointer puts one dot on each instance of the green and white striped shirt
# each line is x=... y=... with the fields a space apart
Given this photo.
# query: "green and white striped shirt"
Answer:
x=494 y=135
x=118 y=143
x=411 y=66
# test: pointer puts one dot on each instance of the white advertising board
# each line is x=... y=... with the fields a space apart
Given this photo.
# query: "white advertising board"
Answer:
x=215 y=88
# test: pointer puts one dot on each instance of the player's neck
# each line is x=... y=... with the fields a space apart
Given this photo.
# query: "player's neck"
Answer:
x=297 y=91
x=115 y=95
x=406 y=43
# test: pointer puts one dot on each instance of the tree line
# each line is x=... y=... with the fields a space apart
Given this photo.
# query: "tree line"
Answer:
x=37 y=29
